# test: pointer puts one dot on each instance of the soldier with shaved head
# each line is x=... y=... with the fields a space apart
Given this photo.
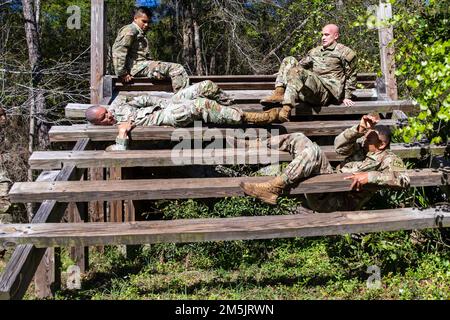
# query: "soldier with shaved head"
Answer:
x=326 y=75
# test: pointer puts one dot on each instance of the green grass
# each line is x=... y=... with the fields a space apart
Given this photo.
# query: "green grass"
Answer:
x=288 y=269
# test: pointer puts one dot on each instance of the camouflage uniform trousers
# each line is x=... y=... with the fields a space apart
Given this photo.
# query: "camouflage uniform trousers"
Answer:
x=185 y=113
x=163 y=70
x=301 y=84
x=205 y=89
x=308 y=160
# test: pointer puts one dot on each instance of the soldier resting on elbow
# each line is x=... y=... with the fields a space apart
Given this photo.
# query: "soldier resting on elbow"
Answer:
x=202 y=101
x=326 y=75
x=368 y=158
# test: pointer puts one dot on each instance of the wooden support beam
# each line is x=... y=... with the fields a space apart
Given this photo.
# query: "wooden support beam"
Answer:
x=45 y=160
x=156 y=189
x=387 y=52
x=47 y=278
x=115 y=207
x=77 y=111
x=225 y=229
x=25 y=259
x=109 y=133
x=98 y=52
x=79 y=254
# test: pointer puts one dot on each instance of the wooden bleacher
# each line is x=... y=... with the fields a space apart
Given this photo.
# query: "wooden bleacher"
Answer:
x=186 y=188
x=45 y=235
x=57 y=193
x=69 y=188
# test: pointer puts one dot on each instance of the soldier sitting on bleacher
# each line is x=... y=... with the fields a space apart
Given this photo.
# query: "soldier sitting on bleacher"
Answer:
x=201 y=101
x=327 y=74
x=132 y=58
x=366 y=147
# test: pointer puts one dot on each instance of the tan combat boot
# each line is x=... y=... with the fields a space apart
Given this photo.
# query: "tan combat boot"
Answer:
x=265 y=117
x=276 y=97
x=267 y=191
x=285 y=113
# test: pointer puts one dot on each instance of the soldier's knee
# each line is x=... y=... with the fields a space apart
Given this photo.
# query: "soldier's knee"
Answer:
x=298 y=136
x=290 y=60
x=177 y=69
x=209 y=85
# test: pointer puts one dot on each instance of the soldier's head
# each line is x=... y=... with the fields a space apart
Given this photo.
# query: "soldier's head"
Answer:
x=377 y=139
x=3 y=118
x=100 y=116
x=330 y=34
x=142 y=16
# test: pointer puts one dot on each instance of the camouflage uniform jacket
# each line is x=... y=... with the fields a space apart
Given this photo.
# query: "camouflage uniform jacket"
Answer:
x=335 y=67
x=130 y=48
x=384 y=167
x=136 y=108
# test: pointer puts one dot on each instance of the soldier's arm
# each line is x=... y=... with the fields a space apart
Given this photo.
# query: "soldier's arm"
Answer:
x=350 y=62
x=144 y=101
x=393 y=173
x=307 y=62
x=122 y=44
x=122 y=139
x=346 y=143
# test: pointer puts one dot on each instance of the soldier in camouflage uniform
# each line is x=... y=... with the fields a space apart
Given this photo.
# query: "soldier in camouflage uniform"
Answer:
x=5 y=183
x=327 y=74
x=201 y=101
x=131 y=55
x=366 y=147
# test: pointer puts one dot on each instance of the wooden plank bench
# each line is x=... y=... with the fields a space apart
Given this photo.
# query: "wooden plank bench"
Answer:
x=47 y=160
x=223 y=229
x=188 y=188
x=233 y=82
x=254 y=96
x=109 y=133
x=77 y=111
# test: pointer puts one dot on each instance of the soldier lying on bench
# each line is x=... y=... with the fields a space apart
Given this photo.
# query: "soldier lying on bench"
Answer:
x=366 y=147
x=201 y=101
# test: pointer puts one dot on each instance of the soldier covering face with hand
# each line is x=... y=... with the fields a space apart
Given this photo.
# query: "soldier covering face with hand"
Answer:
x=368 y=159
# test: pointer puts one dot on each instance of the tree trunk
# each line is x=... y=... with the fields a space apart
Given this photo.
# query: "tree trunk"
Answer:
x=198 y=49
x=36 y=99
x=212 y=65
x=228 y=65
x=187 y=36
x=31 y=13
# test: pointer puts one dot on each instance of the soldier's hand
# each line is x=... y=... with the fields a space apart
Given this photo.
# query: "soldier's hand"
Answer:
x=126 y=78
x=348 y=102
x=359 y=179
x=125 y=128
x=367 y=122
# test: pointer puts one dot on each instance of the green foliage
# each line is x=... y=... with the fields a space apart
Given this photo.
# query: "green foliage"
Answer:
x=423 y=50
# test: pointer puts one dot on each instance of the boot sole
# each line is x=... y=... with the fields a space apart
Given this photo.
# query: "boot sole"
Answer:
x=250 y=193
